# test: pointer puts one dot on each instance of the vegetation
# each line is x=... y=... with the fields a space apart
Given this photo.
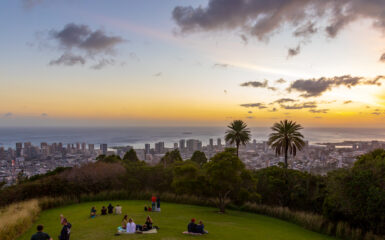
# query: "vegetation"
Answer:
x=172 y=221
x=199 y=157
x=286 y=138
x=131 y=156
x=238 y=133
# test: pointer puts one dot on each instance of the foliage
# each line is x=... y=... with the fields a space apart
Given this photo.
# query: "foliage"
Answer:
x=237 y=133
x=170 y=158
x=130 y=156
x=286 y=138
x=108 y=159
x=199 y=157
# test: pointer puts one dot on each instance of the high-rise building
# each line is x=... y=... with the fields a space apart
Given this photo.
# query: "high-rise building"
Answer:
x=175 y=145
x=91 y=148
x=19 y=148
x=219 y=142
x=147 y=148
x=83 y=147
x=193 y=145
x=77 y=146
x=159 y=147
x=103 y=148
x=3 y=156
x=182 y=145
x=211 y=143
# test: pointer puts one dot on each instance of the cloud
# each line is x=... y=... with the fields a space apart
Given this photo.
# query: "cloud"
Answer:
x=81 y=44
x=158 y=74
x=7 y=115
x=134 y=57
x=254 y=84
x=305 y=30
x=284 y=100
x=316 y=87
x=250 y=112
x=291 y=52
x=376 y=113
x=254 y=105
x=319 y=110
x=347 y=102
x=68 y=59
x=280 y=81
x=263 y=18
x=31 y=3
x=299 y=105
x=272 y=110
x=221 y=65
x=250 y=117
x=245 y=40
x=382 y=58
x=44 y=115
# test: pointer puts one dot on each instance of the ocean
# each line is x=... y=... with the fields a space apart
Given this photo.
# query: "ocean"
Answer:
x=138 y=136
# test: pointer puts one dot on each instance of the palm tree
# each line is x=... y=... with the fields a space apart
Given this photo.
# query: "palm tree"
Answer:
x=237 y=132
x=286 y=138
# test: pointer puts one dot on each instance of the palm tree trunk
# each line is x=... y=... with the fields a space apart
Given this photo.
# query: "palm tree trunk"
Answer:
x=237 y=149
x=286 y=150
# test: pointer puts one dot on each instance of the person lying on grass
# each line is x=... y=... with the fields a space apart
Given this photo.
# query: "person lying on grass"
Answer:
x=40 y=235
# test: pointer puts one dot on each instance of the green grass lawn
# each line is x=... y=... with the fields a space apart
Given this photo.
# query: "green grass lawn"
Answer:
x=172 y=221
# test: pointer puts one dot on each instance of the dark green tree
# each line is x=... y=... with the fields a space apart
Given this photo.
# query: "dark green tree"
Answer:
x=108 y=159
x=237 y=133
x=286 y=139
x=171 y=158
x=199 y=157
x=130 y=156
x=187 y=178
x=223 y=173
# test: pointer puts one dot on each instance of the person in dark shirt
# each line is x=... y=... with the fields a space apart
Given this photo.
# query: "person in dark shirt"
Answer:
x=200 y=228
x=191 y=227
x=110 y=209
x=40 y=235
x=104 y=210
x=93 y=212
x=158 y=203
x=148 y=224
x=65 y=231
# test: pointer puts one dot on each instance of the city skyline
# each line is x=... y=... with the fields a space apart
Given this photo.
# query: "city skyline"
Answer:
x=155 y=63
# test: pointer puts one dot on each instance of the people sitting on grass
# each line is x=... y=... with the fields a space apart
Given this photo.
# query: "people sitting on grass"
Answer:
x=93 y=212
x=131 y=226
x=145 y=208
x=192 y=226
x=110 y=208
x=118 y=209
x=148 y=224
x=200 y=228
x=104 y=211
x=124 y=221
x=40 y=235
x=66 y=230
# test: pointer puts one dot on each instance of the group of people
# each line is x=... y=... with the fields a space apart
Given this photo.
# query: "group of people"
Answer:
x=192 y=227
x=129 y=225
x=109 y=209
x=64 y=233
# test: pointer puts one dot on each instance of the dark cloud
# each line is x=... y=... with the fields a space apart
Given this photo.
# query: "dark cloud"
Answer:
x=319 y=110
x=250 y=112
x=284 y=100
x=254 y=105
x=382 y=58
x=44 y=115
x=245 y=40
x=376 y=113
x=272 y=110
x=291 y=52
x=80 y=43
x=280 y=81
x=68 y=59
x=262 y=18
x=7 y=115
x=305 y=30
x=299 y=105
x=316 y=87
x=347 y=102
x=255 y=84
x=221 y=65
x=158 y=74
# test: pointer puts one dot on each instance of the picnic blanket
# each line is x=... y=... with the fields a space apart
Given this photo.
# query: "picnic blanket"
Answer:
x=123 y=231
x=191 y=233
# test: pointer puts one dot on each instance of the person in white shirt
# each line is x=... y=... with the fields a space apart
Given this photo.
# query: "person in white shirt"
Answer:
x=118 y=209
x=131 y=226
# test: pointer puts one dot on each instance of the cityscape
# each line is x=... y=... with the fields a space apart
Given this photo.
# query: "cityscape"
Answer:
x=30 y=160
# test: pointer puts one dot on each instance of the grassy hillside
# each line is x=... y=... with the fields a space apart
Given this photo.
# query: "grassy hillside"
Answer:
x=172 y=221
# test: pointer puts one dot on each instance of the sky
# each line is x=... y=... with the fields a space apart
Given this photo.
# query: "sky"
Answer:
x=192 y=62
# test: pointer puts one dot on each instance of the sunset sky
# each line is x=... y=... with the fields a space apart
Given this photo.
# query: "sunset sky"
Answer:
x=192 y=62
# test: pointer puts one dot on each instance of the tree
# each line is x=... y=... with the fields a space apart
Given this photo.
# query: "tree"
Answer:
x=286 y=139
x=131 y=156
x=171 y=157
x=223 y=174
x=199 y=157
x=237 y=133
x=108 y=159
x=186 y=178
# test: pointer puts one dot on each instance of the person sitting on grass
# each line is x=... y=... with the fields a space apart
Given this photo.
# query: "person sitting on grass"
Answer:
x=124 y=222
x=104 y=211
x=131 y=226
x=40 y=235
x=145 y=208
x=118 y=209
x=191 y=227
x=92 y=214
x=110 y=208
x=200 y=228
x=148 y=224
x=66 y=230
